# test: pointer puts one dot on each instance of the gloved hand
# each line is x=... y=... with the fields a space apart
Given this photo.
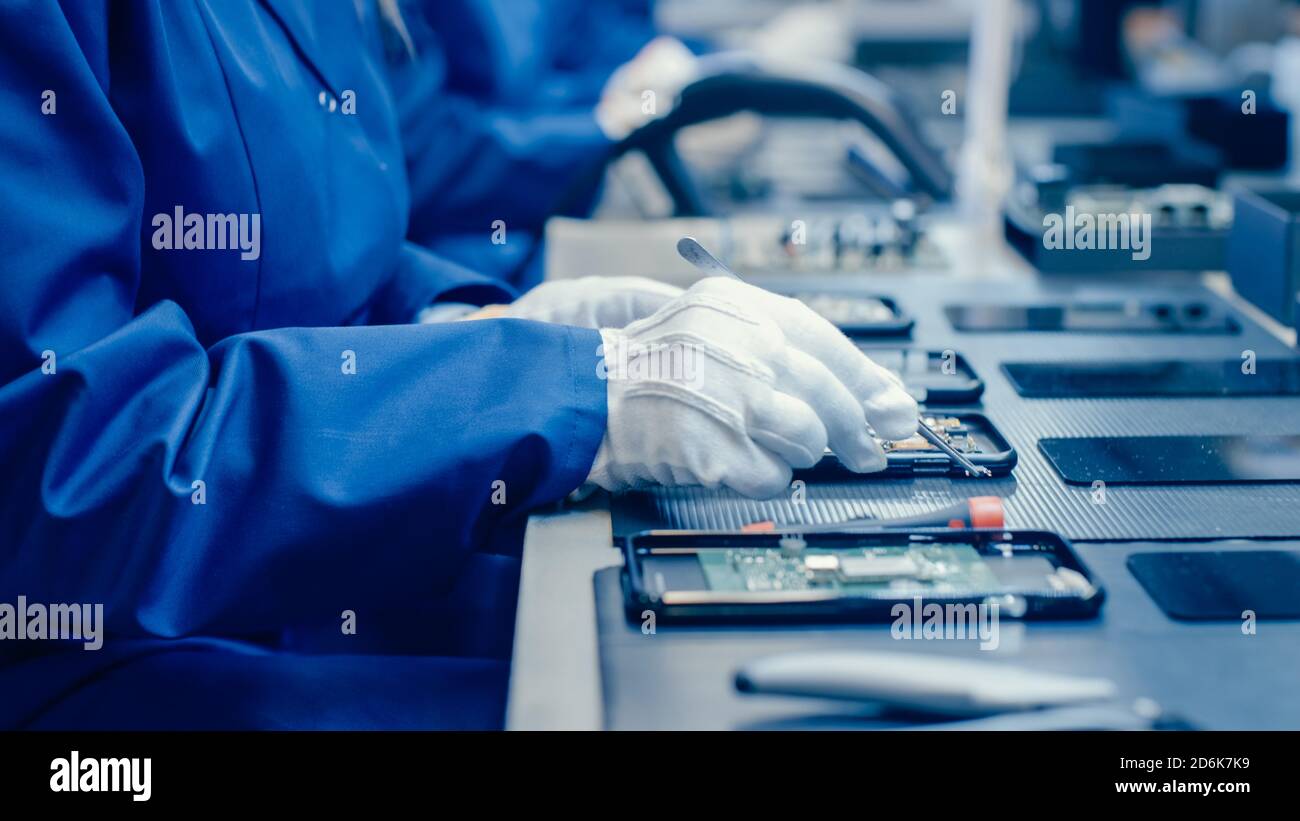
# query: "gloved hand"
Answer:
x=593 y=302
x=663 y=66
x=732 y=385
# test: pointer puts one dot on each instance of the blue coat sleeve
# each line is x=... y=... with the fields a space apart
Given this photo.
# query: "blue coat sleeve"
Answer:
x=476 y=156
x=472 y=163
x=422 y=278
x=273 y=479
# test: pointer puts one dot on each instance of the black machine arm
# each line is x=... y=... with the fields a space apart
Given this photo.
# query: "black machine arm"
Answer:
x=732 y=83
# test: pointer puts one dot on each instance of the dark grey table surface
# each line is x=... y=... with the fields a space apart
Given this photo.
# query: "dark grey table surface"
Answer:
x=1211 y=674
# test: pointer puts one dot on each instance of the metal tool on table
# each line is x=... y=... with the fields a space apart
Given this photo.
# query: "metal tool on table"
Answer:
x=919 y=681
x=696 y=254
x=978 y=694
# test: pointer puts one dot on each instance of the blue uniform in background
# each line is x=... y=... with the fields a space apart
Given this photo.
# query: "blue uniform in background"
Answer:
x=536 y=54
x=347 y=463
x=496 y=110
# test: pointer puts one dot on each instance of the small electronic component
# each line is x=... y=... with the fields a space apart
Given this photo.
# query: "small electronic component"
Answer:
x=703 y=575
x=822 y=563
x=877 y=568
x=871 y=240
x=931 y=568
x=949 y=428
x=864 y=571
x=856 y=242
x=792 y=545
x=957 y=445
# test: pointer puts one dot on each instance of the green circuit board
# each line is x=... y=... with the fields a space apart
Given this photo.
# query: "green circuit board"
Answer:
x=929 y=569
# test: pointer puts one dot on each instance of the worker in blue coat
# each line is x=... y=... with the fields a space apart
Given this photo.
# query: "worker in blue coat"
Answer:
x=533 y=54
x=296 y=505
x=512 y=129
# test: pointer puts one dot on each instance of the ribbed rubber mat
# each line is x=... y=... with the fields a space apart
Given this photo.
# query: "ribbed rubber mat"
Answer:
x=1035 y=496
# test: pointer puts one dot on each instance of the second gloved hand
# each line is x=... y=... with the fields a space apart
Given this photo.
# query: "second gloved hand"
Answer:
x=593 y=302
x=732 y=385
x=645 y=87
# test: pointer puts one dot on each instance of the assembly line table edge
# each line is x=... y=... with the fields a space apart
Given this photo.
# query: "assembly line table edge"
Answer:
x=555 y=667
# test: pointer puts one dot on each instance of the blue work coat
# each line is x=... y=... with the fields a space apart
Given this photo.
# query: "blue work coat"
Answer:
x=509 y=131
x=223 y=433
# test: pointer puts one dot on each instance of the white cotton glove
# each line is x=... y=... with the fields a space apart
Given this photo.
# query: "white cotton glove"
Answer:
x=593 y=302
x=732 y=385
x=662 y=67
